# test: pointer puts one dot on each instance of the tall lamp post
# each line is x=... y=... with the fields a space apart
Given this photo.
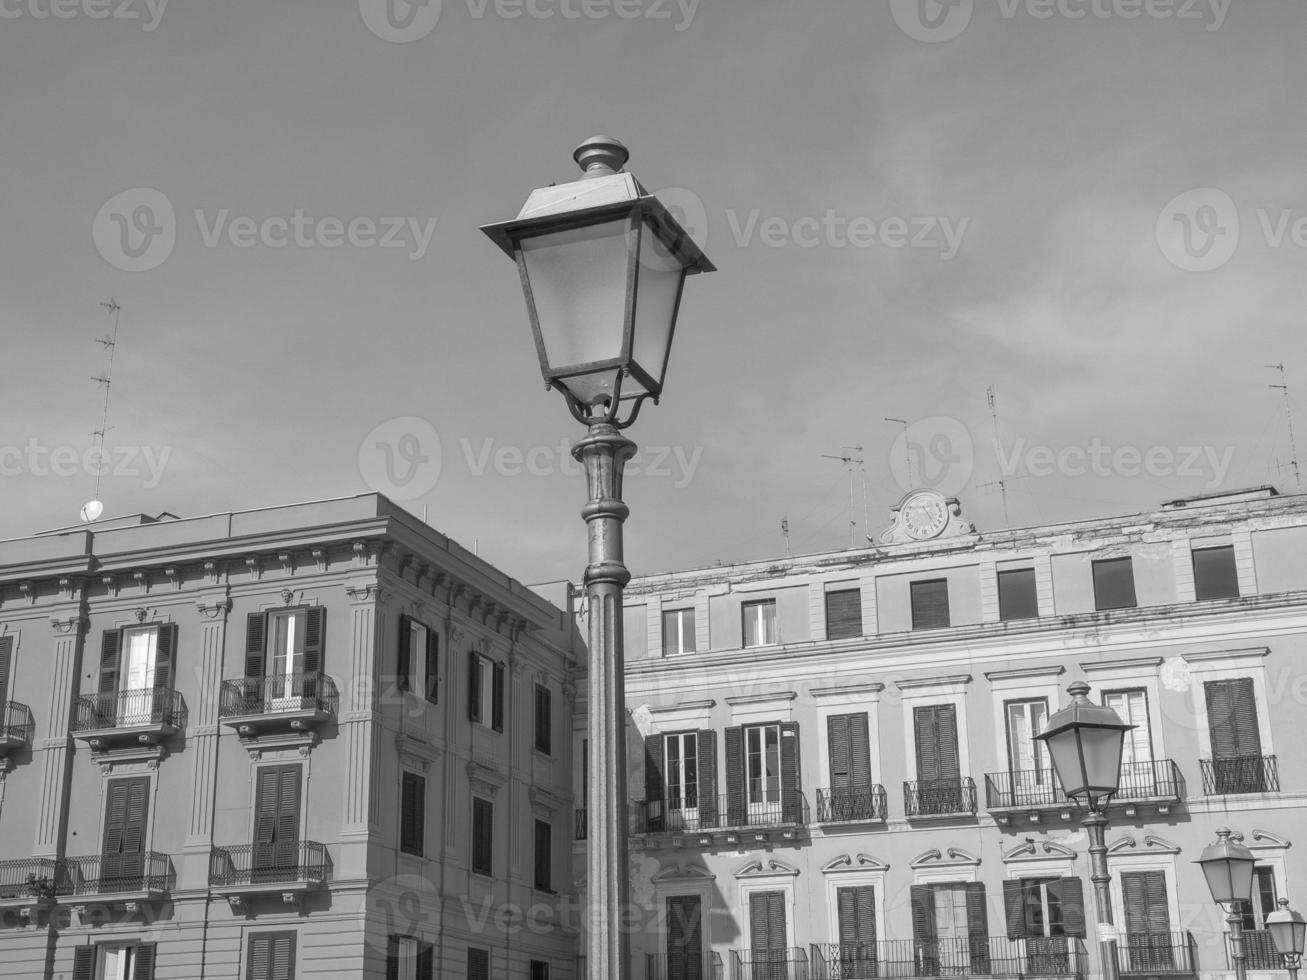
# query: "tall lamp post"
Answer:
x=1228 y=867
x=603 y=264
x=1288 y=931
x=1085 y=741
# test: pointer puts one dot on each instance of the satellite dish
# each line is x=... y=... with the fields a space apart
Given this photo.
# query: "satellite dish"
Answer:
x=92 y=511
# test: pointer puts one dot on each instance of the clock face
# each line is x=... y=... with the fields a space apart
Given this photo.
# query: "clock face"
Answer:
x=925 y=515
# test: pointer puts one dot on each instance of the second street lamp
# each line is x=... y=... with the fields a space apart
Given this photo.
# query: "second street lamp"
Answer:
x=603 y=264
x=1228 y=867
x=1288 y=931
x=1085 y=741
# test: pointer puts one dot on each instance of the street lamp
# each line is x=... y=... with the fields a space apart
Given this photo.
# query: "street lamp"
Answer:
x=603 y=264
x=1228 y=867
x=1288 y=931
x=1085 y=741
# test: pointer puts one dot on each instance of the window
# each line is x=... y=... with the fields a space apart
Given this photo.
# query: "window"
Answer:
x=539 y=970
x=1263 y=901
x=685 y=937
x=412 y=813
x=849 y=750
x=767 y=934
x=1137 y=751
x=284 y=647
x=680 y=780
x=856 y=909
x=1114 y=584
x=544 y=843
x=544 y=720
x=1044 y=907
x=843 y=614
x=1146 y=944
x=486 y=691
x=409 y=959
x=762 y=774
x=762 y=746
x=1017 y=598
x=417 y=667
x=114 y=962
x=1028 y=766
x=483 y=814
x=1237 y=764
x=678 y=632
x=271 y=956
x=1215 y=573
x=939 y=776
x=950 y=924
x=275 y=851
x=135 y=669
x=759 y=622
x=6 y=658
x=681 y=770
x=122 y=856
x=930 y=604
x=478 y=964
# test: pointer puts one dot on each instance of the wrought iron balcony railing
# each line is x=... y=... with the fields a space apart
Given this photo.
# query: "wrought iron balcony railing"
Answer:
x=1158 y=779
x=939 y=797
x=851 y=803
x=1259 y=951
x=1240 y=774
x=994 y=956
x=27 y=879
x=155 y=707
x=280 y=694
x=16 y=723
x=1156 y=954
x=580 y=824
x=257 y=864
x=770 y=964
x=110 y=874
x=683 y=966
x=786 y=808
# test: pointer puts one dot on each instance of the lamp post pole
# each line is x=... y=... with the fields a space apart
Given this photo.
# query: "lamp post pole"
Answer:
x=1096 y=826
x=603 y=453
x=1235 y=921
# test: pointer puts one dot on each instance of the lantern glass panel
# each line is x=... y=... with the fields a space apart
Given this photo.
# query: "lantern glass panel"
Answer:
x=578 y=286
x=657 y=290
x=1289 y=934
x=1229 y=879
x=1064 y=747
x=1102 y=747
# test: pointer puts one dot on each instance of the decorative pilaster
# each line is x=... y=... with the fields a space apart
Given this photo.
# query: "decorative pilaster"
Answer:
x=203 y=735
x=361 y=731
x=53 y=752
x=989 y=609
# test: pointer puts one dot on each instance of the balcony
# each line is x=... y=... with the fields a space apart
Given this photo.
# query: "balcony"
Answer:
x=16 y=730
x=852 y=804
x=727 y=819
x=997 y=956
x=286 y=704
x=125 y=881
x=244 y=872
x=683 y=966
x=120 y=719
x=769 y=964
x=1259 y=951
x=940 y=797
x=1157 y=783
x=1156 y=954
x=27 y=885
x=1240 y=774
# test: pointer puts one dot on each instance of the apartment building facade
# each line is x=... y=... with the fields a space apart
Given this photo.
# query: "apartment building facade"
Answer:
x=320 y=740
x=833 y=770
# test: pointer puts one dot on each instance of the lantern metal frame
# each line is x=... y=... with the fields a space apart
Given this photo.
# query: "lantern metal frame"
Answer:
x=1288 y=929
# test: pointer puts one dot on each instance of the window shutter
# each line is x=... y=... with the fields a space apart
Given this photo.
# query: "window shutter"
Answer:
x=165 y=653
x=837 y=736
x=315 y=621
x=109 y=645
x=288 y=816
x=497 y=695
x=857 y=916
x=265 y=813
x=1232 y=718
x=706 y=752
x=134 y=830
x=256 y=625
x=735 y=778
x=403 y=664
x=791 y=791
x=426 y=961
x=929 y=602
x=544 y=719
x=1070 y=894
x=478 y=964
x=843 y=614
x=543 y=855
x=653 y=768
x=432 y=675
x=283 y=957
x=6 y=657
x=144 y=968
x=922 y=898
x=1144 y=894
x=482 y=836
x=766 y=921
x=978 y=926
x=84 y=963
x=115 y=817
x=412 y=813
x=473 y=686
x=1014 y=908
x=392 y=958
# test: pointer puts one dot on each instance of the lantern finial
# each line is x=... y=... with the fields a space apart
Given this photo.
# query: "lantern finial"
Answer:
x=1079 y=691
x=601 y=156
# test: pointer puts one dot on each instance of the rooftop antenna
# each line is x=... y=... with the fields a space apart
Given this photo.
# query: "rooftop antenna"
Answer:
x=92 y=510
x=907 y=450
x=1002 y=484
x=852 y=463
x=785 y=530
x=1288 y=411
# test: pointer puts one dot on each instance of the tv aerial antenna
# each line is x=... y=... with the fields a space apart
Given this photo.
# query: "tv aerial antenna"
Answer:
x=92 y=510
x=1283 y=386
x=851 y=457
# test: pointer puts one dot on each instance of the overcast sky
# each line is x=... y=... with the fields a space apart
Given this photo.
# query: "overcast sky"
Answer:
x=1090 y=206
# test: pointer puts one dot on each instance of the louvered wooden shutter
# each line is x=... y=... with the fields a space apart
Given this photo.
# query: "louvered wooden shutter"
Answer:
x=1232 y=718
x=6 y=658
x=288 y=817
x=978 y=926
x=165 y=655
x=767 y=921
x=473 y=686
x=403 y=665
x=392 y=958
x=110 y=644
x=791 y=790
x=937 y=742
x=544 y=719
x=837 y=737
x=432 y=675
x=843 y=614
x=482 y=839
x=283 y=956
x=412 y=813
x=1144 y=894
x=736 y=790
x=930 y=604
x=544 y=838
x=84 y=963
x=115 y=824
x=857 y=915
x=134 y=830
x=497 y=695
x=653 y=780
x=144 y=967
x=426 y=962
x=1070 y=894
x=706 y=754
x=315 y=623
x=478 y=964
x=256 y=625
x=1014 y=908
x=922 y=899
x=265 y=811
